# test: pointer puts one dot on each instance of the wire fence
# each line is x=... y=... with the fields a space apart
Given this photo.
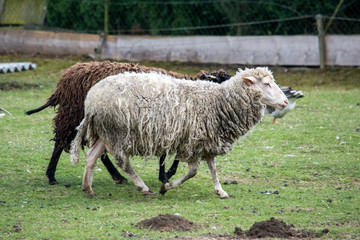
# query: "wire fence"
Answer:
x=183 y=18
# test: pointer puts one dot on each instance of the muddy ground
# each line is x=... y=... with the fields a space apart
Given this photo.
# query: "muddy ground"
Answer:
x=271 y=228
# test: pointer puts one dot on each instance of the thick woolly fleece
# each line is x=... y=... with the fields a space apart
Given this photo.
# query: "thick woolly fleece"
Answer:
x=151 y=114
x=72 y=88
x=74 y=84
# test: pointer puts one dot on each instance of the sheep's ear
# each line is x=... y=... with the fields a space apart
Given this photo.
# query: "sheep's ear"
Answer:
x=250 y=79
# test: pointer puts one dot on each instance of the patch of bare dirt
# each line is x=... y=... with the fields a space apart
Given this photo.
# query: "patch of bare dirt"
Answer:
x=272 y=228
x=168 y=223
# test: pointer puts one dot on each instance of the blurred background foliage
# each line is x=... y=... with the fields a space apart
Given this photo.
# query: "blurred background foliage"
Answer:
x=202 y=17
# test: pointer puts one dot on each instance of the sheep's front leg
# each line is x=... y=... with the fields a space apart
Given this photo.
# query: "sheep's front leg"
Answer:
x=124 y=163
x=218 y=189
x=91 y=156
x=193 y=166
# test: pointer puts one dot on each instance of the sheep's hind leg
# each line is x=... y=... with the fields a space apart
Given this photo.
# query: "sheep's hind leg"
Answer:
x=218 y=189
x=51 y=169
x=91 y=156
x=116 y=176
x=124 y=163
x=165 y=176
x=193 y=166
x=171 y=172
x=162 y=175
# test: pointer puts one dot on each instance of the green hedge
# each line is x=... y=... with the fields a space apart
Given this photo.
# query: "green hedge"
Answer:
x=157 y=17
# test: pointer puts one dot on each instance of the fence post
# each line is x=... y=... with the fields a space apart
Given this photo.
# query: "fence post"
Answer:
x=106 y=17
x=103 y=35
x=321 y=37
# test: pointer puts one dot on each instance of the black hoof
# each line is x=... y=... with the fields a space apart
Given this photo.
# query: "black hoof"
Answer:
x=53 y=182
x=162 y=190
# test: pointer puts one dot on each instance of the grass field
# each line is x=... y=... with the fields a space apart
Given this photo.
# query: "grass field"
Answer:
x=311 y=157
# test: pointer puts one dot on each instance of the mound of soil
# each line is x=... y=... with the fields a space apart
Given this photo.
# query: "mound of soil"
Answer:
x=167 y=223
x=274 y=228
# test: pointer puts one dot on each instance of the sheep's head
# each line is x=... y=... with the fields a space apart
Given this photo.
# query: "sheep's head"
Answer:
x=263 y=79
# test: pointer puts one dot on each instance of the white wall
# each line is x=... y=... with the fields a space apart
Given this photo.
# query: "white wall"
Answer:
x=255 y=50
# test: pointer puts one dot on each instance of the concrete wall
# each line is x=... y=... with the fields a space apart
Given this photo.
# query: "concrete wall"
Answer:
x=263 y=50
x=256 y=50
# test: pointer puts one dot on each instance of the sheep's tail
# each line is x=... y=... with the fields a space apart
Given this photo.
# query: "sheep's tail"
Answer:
x=37 y=109
x=52 y=101
x=76 y=143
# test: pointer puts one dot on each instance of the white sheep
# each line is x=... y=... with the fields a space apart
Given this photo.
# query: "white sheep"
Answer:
x=149 y=114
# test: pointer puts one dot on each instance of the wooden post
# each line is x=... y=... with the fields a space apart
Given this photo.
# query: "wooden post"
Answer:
x=106 y=17
x=321 y=36
x=103 y=35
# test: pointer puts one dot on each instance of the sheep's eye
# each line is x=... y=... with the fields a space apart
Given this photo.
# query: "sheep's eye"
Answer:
x=267 y=84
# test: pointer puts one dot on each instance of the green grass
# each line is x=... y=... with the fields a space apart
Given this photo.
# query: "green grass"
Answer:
x=311 y=157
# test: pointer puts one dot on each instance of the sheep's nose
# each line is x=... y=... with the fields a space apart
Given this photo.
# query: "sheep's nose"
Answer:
x=286 y=102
